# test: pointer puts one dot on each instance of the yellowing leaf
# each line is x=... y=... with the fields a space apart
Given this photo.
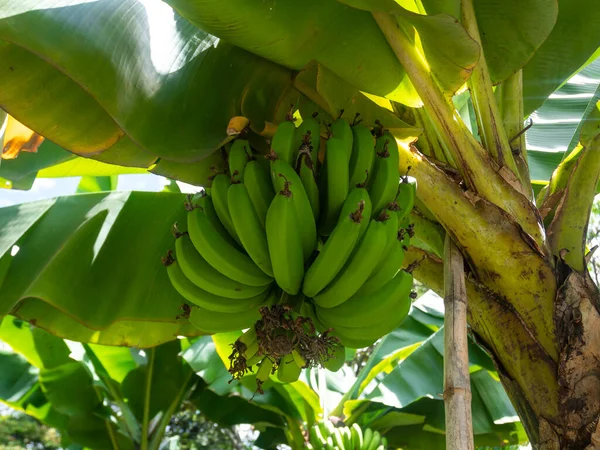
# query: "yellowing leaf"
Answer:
x=18 y=138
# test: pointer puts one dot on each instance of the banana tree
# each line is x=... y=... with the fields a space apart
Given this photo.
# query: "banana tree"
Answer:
x=153 y=85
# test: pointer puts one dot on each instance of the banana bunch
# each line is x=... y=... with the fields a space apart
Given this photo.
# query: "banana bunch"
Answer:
x=325 y=436
x=323 y=226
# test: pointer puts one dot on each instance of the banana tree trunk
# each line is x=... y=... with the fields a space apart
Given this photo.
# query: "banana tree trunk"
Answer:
x=531 y=301
x=535 y=314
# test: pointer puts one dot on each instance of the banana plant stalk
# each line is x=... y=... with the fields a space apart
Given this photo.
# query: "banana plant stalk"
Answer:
x=457 y=386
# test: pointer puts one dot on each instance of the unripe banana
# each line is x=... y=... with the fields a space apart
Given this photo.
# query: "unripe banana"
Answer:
x=250 y=341
x=337 y=360
x=220 y=322
x=258 y=182
x=347 y=437
x=334 y=179
x=239 y=155
x=405 y=197
x=383 y=185
x=309 y=133
x=300 y=361
x=282 y=175
x=204 y=201
x=372 y=309
x=340 y=129
x=202 y=274
x=221 y=253
x=357 y=436
x=363 y=154
x=388 y=267
x=200 y=297
x=358 y=268
x=288 y=371
x=375 y=441
x=339 y=246
x=264 y=370
x=316 y=437
x=284 y=142
x=248 y=227
x=367 y=437
x=338 y=438
x=218 y=193
x=307 y=175
x=284 y=242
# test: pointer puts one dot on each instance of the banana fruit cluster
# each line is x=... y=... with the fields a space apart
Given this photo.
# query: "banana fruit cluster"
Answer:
x=325 y=436
x=323 y=220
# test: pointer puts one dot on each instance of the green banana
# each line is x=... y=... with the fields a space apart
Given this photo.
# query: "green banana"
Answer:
x=282 y=175
x=375 y=441
x=300 y=361
x=337 y=360
x=367 y=437
x=221 y=322
x=357 y=269
x=388 y=267
x=250 y=340
x=221 y=253
x=316 y=437
x=405 y=197
x=309 y=133
x=218 y=193
x=306 y=172
x=350 y=341
x=338 y=439
x=264 y=370
x=340 y=129
x=205 y=202
x=260 y=189
x=239 y=155
x=363 y=154
x=383 y=184
x=329 y=444
x=357 y=436
x=284 y=142
x=284 y=242
x=200 y=297
x=339 y=246
x=288 y=371
x=206 y=277
x=334 y=178
x=347 y=437
x=248 y=227
x=372 y=309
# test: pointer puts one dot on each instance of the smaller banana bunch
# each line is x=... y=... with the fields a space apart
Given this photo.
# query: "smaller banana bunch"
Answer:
x=325 y=436
x=318 y=223
x=283 y=343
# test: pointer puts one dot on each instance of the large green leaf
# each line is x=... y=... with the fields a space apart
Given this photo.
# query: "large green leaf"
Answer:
x=574 y=38
x=144 y=81
x=89 y=267
x=345 y=40
x=153 y=386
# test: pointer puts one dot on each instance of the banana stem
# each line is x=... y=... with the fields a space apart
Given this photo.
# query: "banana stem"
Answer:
x=473 y=162
x=440 y=152
x=457 y=385
x=510 y=95
x=147 y=399
x=489 y=120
